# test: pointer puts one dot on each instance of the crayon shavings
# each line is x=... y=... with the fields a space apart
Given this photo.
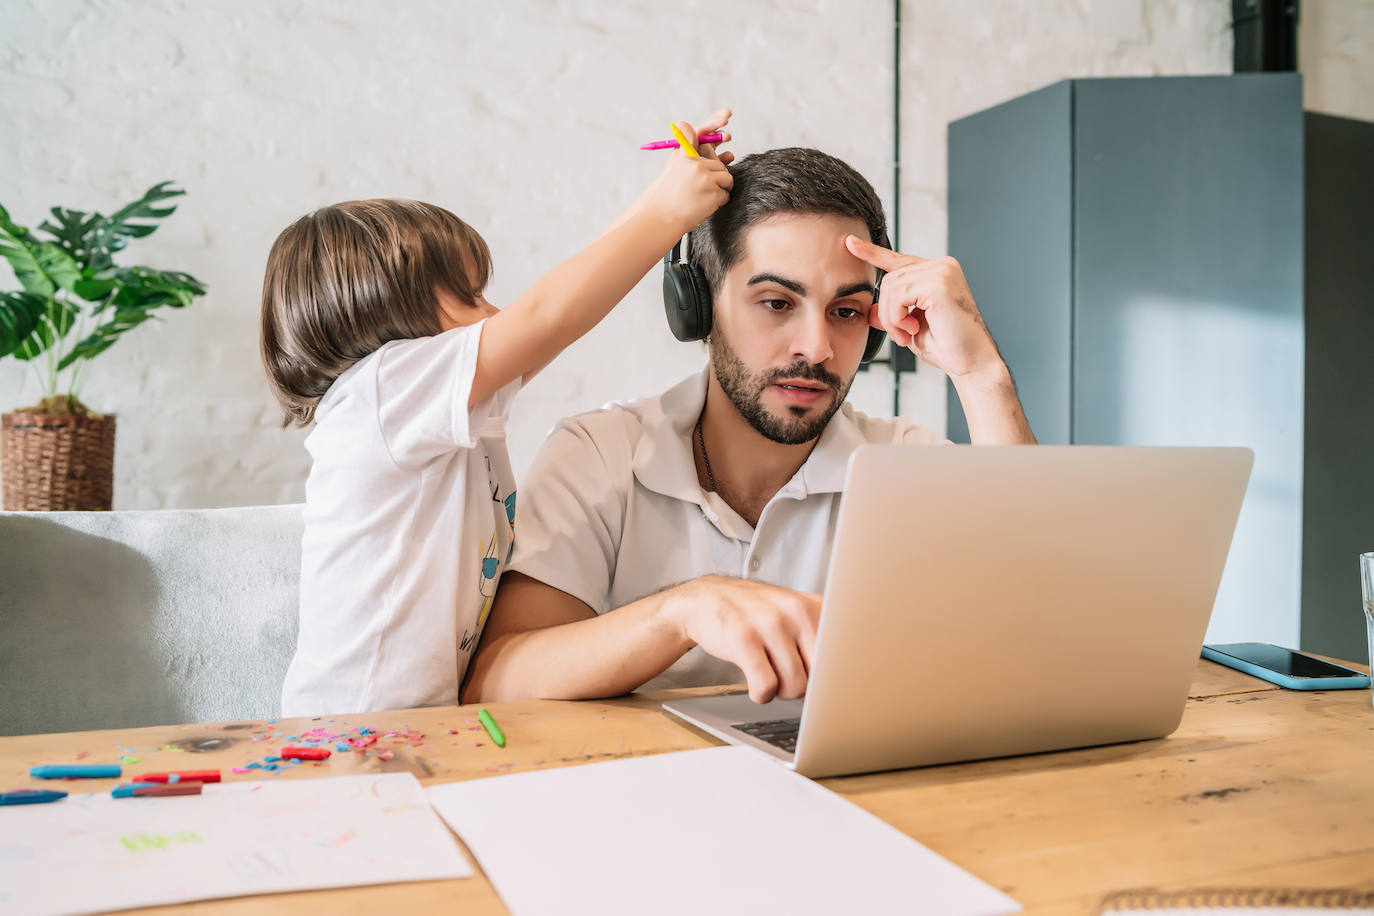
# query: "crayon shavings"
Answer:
x=362 y=742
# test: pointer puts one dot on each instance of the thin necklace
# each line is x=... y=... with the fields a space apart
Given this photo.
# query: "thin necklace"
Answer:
x=705 y=458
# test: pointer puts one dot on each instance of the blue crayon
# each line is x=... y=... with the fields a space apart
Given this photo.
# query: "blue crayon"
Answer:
x=77 y=771
x=127 y=790
x=30 y=797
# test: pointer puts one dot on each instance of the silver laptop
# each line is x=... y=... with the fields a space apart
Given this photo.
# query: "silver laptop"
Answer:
x=988 y=601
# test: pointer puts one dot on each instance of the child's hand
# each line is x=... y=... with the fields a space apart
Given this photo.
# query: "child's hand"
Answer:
x=711 y=125
x=691 y=188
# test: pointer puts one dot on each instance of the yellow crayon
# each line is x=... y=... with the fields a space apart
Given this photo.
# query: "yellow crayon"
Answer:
x=682 y=140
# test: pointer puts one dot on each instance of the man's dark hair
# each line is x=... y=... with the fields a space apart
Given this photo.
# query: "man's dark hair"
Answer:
x=789 y=180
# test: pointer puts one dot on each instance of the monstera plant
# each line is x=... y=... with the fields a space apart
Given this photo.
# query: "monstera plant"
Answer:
x=75 y=303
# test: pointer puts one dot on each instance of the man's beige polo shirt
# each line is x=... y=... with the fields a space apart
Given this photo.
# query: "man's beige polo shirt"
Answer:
x=611 y=511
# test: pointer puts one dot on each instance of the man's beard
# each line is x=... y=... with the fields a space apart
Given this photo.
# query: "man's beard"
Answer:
x=745 y=390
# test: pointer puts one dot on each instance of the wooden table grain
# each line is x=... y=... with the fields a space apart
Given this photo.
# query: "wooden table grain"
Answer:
x=1257 y=787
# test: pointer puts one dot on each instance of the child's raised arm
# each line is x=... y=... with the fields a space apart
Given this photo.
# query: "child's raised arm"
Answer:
x=569 y=300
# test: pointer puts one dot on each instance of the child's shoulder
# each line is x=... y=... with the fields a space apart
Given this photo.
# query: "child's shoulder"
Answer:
x=405 y=362
x=446 y=345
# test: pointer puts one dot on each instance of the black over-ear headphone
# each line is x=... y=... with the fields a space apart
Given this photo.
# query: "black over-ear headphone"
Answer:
x=687 y=300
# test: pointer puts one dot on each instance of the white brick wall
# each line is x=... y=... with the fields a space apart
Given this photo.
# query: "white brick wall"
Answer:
x=522 y=117
x=1336 y=56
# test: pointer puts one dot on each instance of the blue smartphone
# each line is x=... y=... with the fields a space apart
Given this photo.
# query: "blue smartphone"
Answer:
x=1285 y=667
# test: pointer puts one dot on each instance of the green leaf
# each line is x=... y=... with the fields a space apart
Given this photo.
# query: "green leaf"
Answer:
x=56 y=319
x=140 y=291
x=115 y=231
x=95 y=289
x=144 y=285
x=62 y=315
x=97 y=342
x=92 y=239
x=72 y=230
x=20 y=248
x=20 y=314
x=58 y=265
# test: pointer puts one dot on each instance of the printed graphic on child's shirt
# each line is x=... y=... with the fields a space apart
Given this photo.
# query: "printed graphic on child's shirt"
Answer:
x=497 y=550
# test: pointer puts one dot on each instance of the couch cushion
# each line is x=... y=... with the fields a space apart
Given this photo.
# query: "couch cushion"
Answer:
x=123 y=619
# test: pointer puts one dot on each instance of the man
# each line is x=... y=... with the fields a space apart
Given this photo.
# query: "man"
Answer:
x=682 y=540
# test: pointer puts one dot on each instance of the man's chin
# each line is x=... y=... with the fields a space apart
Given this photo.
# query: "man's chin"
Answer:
x=793 y=424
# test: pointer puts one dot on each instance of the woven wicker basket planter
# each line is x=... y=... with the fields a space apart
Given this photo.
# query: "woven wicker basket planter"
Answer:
x=57 y=462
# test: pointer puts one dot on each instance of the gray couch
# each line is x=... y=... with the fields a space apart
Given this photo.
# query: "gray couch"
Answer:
x=123 y=619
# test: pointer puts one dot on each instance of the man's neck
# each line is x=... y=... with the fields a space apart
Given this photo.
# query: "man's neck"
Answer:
x=748 y=468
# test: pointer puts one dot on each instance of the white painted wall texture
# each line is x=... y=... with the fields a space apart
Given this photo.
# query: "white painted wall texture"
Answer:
x=1336 y=56
x=523 y=118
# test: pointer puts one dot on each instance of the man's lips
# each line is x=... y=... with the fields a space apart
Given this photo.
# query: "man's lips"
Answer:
x=800 y=392
x=802 y=383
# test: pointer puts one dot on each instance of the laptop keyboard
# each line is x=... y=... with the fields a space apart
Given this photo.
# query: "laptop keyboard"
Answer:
x=781 y=733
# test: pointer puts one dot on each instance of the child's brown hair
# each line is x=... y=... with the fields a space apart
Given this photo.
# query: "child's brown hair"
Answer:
x=348 y=278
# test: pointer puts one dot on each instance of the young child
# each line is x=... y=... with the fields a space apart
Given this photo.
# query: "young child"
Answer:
x=375 y=326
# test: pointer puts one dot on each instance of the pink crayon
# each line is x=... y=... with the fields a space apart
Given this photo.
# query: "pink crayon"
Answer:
x=672 y=144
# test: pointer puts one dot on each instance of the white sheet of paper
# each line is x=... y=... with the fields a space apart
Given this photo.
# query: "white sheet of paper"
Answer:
x=93 y=853
x=720 y=831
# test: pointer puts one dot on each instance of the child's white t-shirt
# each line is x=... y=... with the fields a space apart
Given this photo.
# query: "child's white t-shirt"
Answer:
x=409 y=521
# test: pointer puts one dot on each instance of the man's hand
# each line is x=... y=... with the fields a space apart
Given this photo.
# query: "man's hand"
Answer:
x=925 y=305
x=766 y=630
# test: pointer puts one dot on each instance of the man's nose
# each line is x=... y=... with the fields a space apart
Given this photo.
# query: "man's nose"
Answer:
x=811 y=337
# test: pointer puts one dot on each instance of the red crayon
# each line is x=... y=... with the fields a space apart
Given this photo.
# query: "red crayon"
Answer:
x=181 y=775
x=172 y=788
x=305 y=753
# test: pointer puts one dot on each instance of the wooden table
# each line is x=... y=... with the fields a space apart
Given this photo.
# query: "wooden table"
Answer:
x=1258 y=787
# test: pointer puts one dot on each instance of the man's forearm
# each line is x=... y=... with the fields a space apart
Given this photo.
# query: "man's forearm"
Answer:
x=992 y=408
x=603 y=656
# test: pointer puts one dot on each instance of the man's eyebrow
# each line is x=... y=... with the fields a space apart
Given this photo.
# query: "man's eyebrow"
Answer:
x=852 y=288
x=785 y=283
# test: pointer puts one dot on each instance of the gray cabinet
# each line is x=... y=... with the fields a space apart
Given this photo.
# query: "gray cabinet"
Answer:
x=1137 y=248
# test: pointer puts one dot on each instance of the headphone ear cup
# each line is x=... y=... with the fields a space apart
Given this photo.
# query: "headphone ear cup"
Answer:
x=705 y=307
x=876 y=336
x=686 y=300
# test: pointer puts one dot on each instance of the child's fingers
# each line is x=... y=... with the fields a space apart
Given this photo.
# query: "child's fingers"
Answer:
x=719 y=173
x=688 y=131
x=712 y=125
x=715 y=122
x=709 y=149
